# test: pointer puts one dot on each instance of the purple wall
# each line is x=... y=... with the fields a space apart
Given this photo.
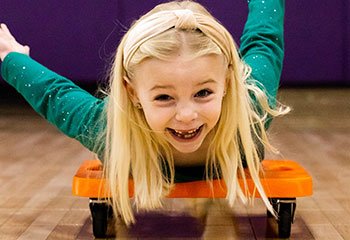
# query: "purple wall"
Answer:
x=77 y=38
x=317 y=42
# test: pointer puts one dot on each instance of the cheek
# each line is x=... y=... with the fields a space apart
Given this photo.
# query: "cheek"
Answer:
x=157 y=118
x=212 y=112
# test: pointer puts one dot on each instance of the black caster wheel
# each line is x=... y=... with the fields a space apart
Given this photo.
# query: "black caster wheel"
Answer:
x=285 y=209
x=101 y=212
x=284 y=220
x=269 y=215
x=273 y=202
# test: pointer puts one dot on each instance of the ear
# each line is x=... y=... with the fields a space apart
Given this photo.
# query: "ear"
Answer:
x=228 y=76
x=130 y=89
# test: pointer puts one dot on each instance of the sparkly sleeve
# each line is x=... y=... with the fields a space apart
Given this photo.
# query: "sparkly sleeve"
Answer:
x=262 y=46
x=71 y=109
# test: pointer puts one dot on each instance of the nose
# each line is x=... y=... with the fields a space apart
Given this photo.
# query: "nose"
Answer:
x=186 y=113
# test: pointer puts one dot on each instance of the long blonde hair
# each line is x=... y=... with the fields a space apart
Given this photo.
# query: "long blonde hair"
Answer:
x=133 y=150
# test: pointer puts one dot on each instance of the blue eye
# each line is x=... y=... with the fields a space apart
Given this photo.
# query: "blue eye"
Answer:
x=203 y=93
x=163 y=98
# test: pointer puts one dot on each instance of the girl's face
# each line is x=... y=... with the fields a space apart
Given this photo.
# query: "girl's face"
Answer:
x=181 y=98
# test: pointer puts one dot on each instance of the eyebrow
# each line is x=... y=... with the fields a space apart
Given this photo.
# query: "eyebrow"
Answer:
x=172 y=87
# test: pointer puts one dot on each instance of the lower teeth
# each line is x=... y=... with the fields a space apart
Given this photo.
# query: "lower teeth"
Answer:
x=186 y=136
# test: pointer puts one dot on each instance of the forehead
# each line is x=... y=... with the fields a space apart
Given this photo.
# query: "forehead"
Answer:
x=180 y=69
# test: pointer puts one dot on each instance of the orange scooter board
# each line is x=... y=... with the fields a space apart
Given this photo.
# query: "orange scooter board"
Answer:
x=283 y=181
x=280 y=179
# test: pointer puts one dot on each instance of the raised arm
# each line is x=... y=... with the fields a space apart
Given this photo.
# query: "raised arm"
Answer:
x=262 y=46
x=71 y=109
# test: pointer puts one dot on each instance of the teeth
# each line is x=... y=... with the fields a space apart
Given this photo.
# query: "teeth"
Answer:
x=188 y=134
x=192 y=131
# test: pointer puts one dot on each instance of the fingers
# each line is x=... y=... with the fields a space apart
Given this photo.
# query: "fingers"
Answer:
x=5 y=29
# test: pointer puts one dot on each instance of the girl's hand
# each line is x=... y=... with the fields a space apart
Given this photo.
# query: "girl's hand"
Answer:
x=9 y=44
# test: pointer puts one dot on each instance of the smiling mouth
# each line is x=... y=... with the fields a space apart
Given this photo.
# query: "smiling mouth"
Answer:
x=185 y=134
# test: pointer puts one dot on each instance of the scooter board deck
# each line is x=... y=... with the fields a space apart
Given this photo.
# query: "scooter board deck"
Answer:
x=279 y=178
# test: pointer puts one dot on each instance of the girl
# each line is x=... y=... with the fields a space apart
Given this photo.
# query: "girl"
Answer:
x=181 y=101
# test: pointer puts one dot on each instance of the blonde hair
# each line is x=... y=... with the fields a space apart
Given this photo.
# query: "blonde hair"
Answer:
x=134 y=151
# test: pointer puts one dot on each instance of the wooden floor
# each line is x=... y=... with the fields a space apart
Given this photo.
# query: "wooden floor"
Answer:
x=37 y=164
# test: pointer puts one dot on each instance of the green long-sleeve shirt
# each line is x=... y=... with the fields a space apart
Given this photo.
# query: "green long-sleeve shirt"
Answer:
x=77 y=113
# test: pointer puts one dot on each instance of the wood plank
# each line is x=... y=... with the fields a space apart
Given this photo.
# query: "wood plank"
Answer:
x=324 y=231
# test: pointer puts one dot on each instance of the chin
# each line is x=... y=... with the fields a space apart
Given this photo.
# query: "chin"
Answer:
x=184 y=149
